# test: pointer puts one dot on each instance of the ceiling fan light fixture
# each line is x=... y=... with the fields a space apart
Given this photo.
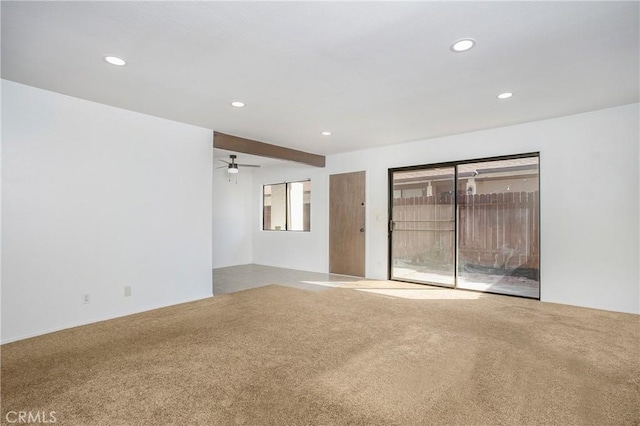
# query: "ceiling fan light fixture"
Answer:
x=233 y=167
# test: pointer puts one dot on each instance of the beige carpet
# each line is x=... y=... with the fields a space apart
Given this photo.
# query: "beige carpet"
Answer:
x=283 y=356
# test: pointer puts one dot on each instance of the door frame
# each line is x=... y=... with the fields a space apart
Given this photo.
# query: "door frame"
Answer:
x=454 y=164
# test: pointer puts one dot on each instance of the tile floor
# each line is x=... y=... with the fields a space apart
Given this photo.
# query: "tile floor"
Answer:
x=245 y=277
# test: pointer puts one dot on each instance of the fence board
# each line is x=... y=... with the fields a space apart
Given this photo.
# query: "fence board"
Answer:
x=494 y=229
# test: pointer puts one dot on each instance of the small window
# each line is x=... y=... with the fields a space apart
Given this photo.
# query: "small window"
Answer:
x=287 y=206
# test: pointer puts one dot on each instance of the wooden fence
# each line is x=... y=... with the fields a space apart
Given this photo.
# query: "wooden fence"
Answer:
x=495 y=230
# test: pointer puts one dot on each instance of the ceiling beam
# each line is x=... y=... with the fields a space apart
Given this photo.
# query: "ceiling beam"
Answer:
x=248 y=146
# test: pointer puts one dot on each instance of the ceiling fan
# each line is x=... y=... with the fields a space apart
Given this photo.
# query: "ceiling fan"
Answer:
x=232 y=167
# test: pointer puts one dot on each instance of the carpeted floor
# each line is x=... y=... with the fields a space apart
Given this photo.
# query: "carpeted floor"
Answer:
x=282 y=356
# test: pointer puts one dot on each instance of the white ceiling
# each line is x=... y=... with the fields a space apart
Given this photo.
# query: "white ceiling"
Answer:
x=373 y=73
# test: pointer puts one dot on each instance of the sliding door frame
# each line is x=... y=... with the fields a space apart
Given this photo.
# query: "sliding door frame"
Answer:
x=455 y=165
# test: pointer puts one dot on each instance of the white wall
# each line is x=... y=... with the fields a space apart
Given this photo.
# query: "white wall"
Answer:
x=95 y=198
x=305 y=251
x=589 y=241
x=232 y=218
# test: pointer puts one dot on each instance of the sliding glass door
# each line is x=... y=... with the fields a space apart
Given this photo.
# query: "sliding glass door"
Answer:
x=423 y=226
x=471 y=225
x=498 y=227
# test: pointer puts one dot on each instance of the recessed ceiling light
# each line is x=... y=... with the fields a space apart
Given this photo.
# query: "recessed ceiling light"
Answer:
x=505 y=95
x=237 y=104
x=463 y=45
x=326 y=133
x=114 y=60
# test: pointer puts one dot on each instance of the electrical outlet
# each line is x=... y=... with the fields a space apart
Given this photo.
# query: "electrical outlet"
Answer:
x=85 y=299
x=127 y=291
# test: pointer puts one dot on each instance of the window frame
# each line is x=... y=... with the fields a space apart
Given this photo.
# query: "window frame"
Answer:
x=287 y=206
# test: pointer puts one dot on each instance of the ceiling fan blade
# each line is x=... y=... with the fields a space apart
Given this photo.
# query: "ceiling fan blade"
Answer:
x=224 y=161
x=222 y=167
x=248 y=165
